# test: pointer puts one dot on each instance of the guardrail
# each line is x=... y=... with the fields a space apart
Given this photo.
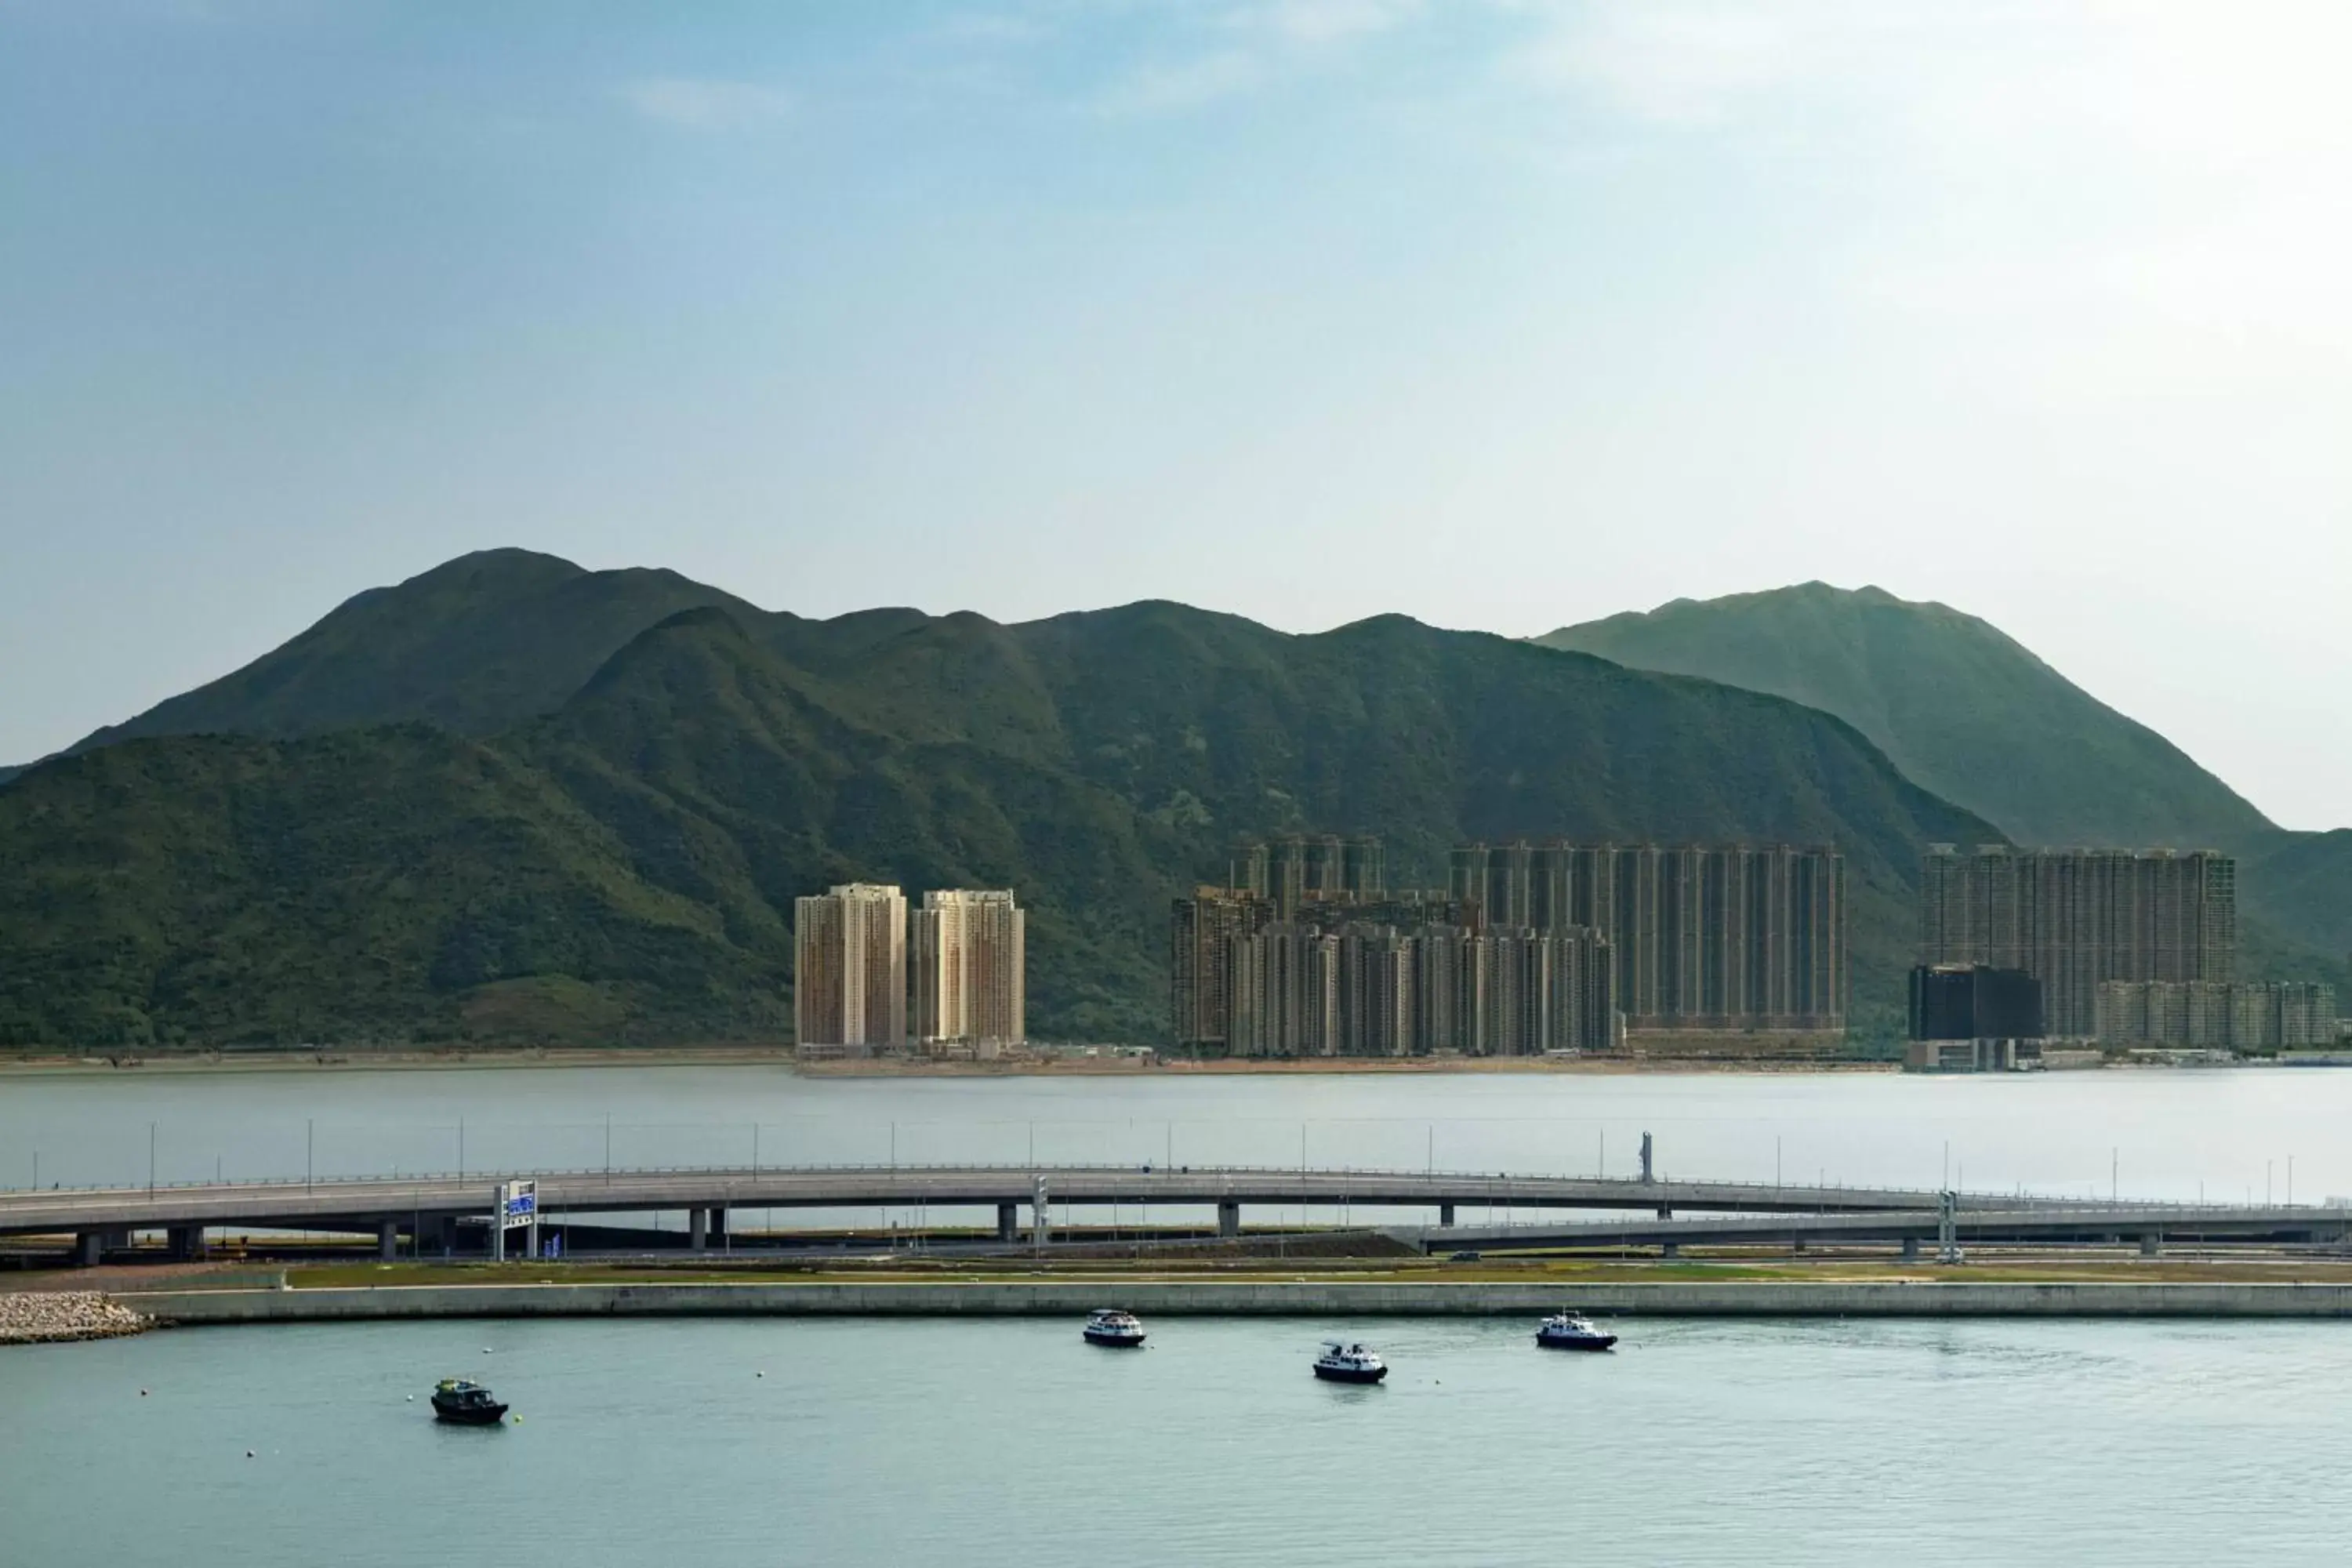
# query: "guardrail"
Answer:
x=1632 y=1185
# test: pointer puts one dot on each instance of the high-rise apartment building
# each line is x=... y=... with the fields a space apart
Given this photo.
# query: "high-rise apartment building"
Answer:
x=849 y=969
x=1360 y=989
x=1291 y=872
x=1310 y=954
x=1711 y=938
x=2278 y=1016
x=970 y=967
x=1200 y=934
x=2076 y=918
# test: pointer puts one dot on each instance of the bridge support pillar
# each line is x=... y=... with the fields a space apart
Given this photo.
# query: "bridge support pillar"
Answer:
x=1446 y=1214
x=1910 y=1248
x=1671 y=1249
x=187 y=1241
x=718 y=1229
x=697 y=1224
x=1229 y=1220
x=1008 y=1222
x=89 y=1248
x=387 y=1239
x=2151 y=1243
x=1665 y=1212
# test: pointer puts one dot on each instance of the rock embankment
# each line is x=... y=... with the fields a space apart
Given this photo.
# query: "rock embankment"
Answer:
x=36 y=1316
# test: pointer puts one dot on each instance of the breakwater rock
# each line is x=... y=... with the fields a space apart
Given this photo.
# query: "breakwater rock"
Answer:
x=38 y=1317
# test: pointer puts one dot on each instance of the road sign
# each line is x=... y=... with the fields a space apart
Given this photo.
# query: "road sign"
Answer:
x=518 y=1208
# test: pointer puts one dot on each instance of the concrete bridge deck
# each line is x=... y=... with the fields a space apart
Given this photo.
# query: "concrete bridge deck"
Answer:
x=412 y=1203
x=2149 y=1224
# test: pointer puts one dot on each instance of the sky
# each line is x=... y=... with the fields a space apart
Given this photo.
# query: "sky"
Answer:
x=1501 y=313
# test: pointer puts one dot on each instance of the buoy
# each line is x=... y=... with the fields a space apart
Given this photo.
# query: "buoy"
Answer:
x=143 y=1394
x=248 y=1453
x=485 y=1349
x=411 y=1399
x=754 y=1374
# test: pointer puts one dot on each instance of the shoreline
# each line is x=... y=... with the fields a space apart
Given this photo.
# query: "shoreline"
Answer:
x=500 y=1060
x=1259 y=1297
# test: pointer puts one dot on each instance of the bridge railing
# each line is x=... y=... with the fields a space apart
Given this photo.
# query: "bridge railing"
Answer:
x=1637 y=1191
x=2127 y=1214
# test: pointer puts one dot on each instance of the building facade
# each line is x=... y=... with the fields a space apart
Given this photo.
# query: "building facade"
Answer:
x=970 y=974
x=1360 y=989
x=849 y=968
x=1291 y=872
x=1310 y=954
x=1704 y=938
x=2285 y=1015
x=1974 y=1002
x=2077 y=919
x=1201 y=932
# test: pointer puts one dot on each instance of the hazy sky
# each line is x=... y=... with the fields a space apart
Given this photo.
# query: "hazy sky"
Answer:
x=1500 y=314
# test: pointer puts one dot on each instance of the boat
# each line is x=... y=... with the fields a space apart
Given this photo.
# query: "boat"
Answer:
x=1350 y=1364
x=466 y=1403
x=1117 y=1330
x=1572 y=1331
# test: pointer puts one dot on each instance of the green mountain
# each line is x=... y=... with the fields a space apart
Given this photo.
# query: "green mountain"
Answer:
x=472 y=647
x=1955 y=702
x=1975 y=716
x=620 y=862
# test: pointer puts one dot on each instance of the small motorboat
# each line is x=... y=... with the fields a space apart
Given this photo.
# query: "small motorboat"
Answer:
x=466 y=1403
x=1350 y=1364
x=1572 y=1331
x=1109 y=1326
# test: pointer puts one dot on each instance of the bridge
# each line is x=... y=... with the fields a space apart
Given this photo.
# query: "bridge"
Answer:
x=427 y=1211
x=2076 y=1221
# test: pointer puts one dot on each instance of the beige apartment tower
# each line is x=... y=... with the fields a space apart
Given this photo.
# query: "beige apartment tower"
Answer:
x=849 y=971
x=970 y=967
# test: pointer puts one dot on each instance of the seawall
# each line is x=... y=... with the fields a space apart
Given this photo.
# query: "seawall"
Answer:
x=1250 y=1299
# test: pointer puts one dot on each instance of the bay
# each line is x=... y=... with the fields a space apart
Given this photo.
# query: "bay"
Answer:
x=1010 y=1442
x=2180 y=1135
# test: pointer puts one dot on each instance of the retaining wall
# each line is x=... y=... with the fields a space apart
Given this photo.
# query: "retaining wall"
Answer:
x=1250 y=1299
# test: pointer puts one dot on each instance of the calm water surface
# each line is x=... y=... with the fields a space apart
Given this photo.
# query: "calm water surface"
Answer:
x=1013 y=1443
x=2151 y=1135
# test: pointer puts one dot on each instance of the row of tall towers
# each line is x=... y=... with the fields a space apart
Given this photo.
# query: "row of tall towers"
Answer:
x=1708 y=938
x=1531 y=947
x=2077 y=920
x=852 y=971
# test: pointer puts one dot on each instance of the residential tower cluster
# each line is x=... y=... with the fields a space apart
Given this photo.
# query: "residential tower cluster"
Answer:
x=2113 y=949
x=1532 y=947
x=872 y=977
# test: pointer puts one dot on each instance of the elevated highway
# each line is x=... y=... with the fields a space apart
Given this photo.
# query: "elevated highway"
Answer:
x=2151 y=1224
x=428 y=1210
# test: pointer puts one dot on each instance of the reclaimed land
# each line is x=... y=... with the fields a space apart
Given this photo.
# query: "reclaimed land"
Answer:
x=2021 y=1288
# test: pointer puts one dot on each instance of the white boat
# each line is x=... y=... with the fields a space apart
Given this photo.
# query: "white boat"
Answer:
x=1109 y=1326
x=1349 y=1362
x=1572 y=1331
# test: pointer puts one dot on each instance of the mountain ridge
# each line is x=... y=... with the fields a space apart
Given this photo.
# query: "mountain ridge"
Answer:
x=724 y=760
x=1953 y=701
x=1985 y=722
